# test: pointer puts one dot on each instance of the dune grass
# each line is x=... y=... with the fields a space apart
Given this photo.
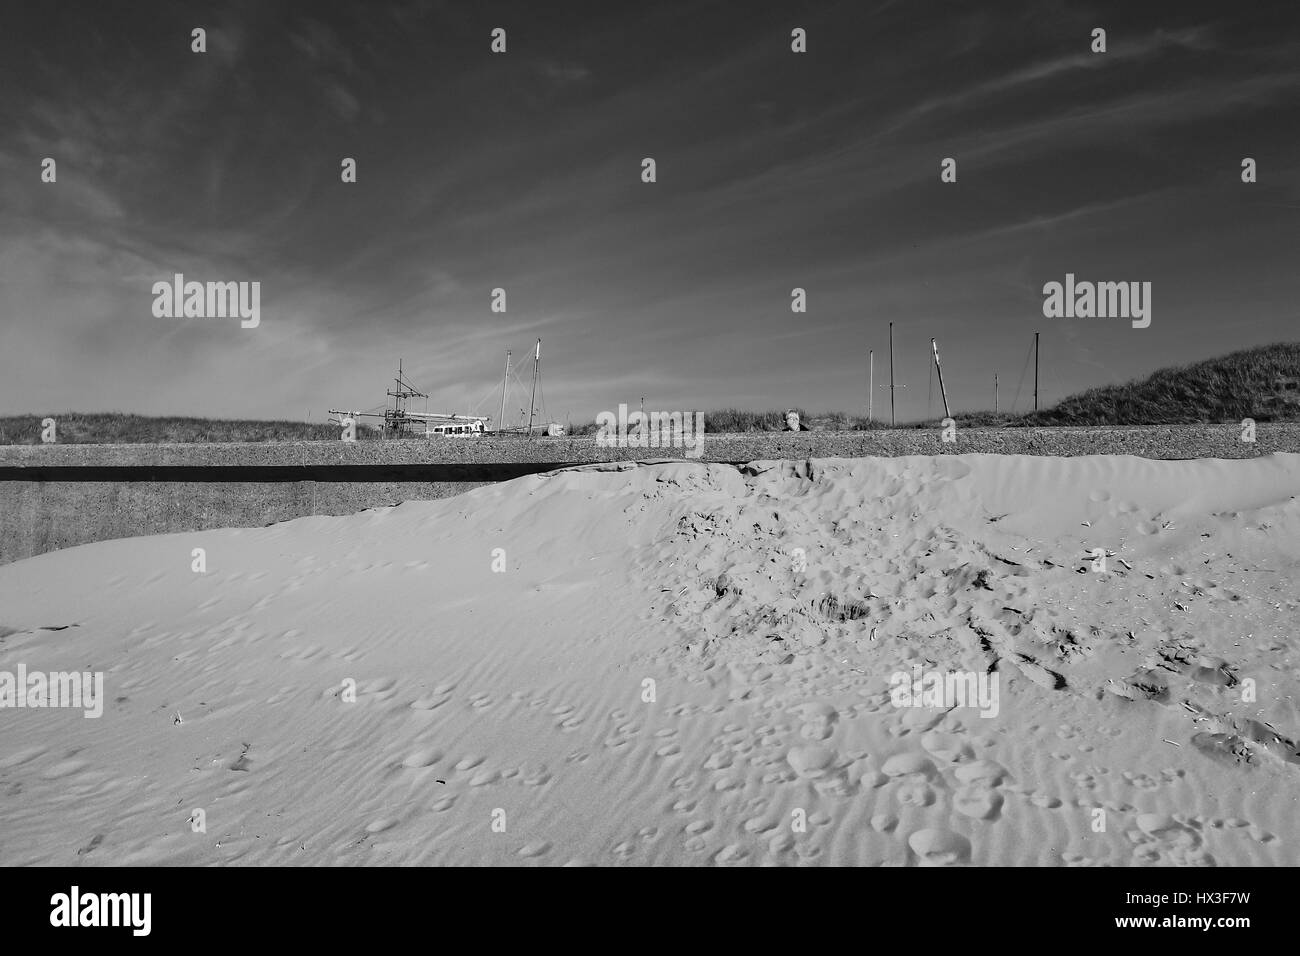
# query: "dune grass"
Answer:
x=75 y=428
x=1261 y=383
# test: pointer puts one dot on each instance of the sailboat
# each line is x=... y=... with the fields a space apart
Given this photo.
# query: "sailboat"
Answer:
x=397 y=420
x=549 y=429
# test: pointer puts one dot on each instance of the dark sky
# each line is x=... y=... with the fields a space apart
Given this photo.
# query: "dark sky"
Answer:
x=522 y=170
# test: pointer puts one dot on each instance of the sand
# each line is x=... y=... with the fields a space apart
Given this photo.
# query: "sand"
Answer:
x=686 y=664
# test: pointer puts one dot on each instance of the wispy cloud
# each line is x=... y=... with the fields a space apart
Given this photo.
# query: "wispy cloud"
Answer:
x=523 y=171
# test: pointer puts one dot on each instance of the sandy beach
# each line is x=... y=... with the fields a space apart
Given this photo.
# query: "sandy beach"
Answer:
x=684 y=664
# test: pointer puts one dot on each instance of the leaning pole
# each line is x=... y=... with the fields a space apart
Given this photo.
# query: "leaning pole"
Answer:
x=939 y=368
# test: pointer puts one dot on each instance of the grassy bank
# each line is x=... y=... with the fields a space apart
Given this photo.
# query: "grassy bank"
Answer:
x=1261 y=383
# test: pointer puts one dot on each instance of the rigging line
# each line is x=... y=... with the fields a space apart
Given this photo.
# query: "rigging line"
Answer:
x=527 y=390
x=479 y=404
x=541 y=395
x=404 y=379
x=520 y=382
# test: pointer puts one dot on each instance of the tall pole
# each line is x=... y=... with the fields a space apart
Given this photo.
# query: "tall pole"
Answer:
x=537 y=361
x=995 y=393
x=891 y=374
x=505 y=380
x=1035 y=371
x=871 y=386
x=939 y=368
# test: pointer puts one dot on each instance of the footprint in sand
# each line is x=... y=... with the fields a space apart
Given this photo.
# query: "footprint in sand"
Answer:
x=429 y=702
x=811 y=761
x=908 y=764
x=819 y=720
x=915 y=794
x=379 y=689
x=565 y=720
x=622 y=735
x=936 y=847
x=948 y=748
x=978 y=801
x=1084 y=780
x=422 y=758
x=1164 y=839
x=731 y=855
x=982 y=771
x=871 y=779
x=536 y=778
x=884 y=822
x=719 y=760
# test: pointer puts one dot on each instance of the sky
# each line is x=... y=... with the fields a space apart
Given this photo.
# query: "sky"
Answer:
x=522 y=170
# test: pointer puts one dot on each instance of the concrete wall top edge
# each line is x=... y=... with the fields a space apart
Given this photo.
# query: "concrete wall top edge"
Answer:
x=1164 y=441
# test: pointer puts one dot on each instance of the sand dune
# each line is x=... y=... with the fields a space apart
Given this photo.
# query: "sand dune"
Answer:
x=503 y=717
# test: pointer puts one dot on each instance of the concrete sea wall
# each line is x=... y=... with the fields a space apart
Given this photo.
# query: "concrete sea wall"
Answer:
x=59 y=496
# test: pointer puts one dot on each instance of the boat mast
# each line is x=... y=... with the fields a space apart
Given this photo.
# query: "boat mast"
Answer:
x=505 y=380
x=537 y=362
x=1035 y=371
